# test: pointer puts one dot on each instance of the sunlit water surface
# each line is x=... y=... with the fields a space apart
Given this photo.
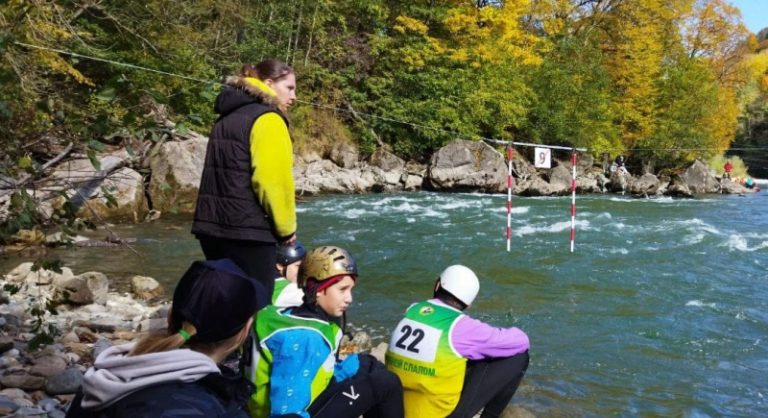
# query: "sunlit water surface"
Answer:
x=661 y=310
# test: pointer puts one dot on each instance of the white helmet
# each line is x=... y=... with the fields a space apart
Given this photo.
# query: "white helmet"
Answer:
x=461 y=282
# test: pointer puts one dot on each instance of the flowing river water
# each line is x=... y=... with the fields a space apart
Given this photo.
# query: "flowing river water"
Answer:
x=662 y=310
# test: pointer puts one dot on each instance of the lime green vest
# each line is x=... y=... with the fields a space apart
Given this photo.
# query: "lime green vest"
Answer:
x=280 y=284
x=421 y=354
x=270 y=321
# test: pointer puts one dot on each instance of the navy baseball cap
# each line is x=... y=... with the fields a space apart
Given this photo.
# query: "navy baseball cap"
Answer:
x=218 y=298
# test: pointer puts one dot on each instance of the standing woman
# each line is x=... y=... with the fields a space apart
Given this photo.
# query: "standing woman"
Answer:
x=246 y=202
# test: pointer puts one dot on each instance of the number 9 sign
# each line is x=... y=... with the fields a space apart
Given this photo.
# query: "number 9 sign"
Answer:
x=543 y=158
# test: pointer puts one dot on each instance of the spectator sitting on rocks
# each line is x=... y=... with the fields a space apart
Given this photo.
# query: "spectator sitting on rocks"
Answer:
x=175 y=371
x=452 y=365
x=295 y=368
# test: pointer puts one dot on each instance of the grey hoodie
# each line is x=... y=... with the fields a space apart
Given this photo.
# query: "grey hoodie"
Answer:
x=115 y=375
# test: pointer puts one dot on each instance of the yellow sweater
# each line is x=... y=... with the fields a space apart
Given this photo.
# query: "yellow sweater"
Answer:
x=272 y=168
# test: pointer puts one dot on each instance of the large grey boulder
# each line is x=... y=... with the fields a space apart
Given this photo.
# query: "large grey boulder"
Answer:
x=386 y=161
x=467 y=165
x=560 y=178
x=146 y=288
x=413 y=177
x=589 y=183
x=731 y=187
x=326 y=177
x=522 y=168
x=678 y=187
x=91 y=189
x=83 y=289
x=177 y=167
x=700 y=179
x=344 y=155
x=647 y=184
x=534 y=187
x=619 y=183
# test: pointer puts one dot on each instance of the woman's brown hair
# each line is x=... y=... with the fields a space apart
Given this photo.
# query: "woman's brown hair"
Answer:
x=266 y=70
x=171 y=340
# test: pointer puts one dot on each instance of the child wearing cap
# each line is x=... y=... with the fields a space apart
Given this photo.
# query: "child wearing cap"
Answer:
x=175 y=373
x=287 y=292
x=296 y=372
x=452 y=365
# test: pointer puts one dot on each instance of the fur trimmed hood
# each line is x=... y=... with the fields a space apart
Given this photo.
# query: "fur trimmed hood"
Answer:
x=241 y=91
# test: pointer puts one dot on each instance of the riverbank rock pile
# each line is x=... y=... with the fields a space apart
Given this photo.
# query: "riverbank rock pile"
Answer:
x=82 y=317
x=124 y=186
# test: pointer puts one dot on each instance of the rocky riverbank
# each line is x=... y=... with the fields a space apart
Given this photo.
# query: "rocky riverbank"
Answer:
x=165 y=177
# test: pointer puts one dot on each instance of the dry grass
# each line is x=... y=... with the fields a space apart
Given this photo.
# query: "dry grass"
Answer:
x=317 y=130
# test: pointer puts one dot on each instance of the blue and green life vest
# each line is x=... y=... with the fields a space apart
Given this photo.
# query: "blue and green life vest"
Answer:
x=270 y=321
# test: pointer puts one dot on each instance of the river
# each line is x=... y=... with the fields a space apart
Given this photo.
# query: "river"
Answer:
x=662 y=310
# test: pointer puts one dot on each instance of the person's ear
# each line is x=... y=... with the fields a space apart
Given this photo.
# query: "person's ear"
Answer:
x=269 y=82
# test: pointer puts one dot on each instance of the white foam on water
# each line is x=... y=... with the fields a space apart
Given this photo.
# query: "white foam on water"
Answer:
x=622 y=251
x=408 y=208
x=606 y=215
x=699 y=304
x=694 y=238
x=410 y=220
x=461 y=204
x=356 y=213
x=738 y=242
x=516 y=210
x=301 y=209
x=388 y=200
x=553 y=228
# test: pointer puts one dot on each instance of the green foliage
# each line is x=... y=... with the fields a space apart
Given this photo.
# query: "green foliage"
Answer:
x=627 y=75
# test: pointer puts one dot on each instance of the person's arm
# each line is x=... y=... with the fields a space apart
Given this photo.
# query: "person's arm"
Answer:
x=272 y=172
x=477 y=340
x=296 y=357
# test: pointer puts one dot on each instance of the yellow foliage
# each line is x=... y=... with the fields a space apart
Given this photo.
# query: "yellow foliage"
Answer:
x=407 y=24
x=59 y=65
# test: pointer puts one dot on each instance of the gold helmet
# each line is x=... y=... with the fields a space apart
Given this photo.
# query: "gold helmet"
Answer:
x=325 y=262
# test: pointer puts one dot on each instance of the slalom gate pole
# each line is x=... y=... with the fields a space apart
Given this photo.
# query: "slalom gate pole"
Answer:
x=510 y=153
x=573 y=198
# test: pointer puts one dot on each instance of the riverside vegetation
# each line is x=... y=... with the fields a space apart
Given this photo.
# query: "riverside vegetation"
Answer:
x=663 y=83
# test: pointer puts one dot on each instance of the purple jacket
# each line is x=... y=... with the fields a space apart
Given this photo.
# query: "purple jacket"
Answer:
x=477 y=340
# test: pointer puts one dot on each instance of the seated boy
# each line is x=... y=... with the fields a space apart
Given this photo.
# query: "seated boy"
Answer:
x=286 y=292
x=453 y=365
x=296 y=372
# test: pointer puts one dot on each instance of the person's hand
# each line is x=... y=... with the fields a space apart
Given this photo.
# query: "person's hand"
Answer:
x=290 y=240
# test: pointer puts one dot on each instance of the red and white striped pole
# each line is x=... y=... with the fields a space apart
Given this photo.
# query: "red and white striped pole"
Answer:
x=573 y=198
x=510 y=153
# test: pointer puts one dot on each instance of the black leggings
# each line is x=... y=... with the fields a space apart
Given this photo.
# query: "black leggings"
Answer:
x=490 y=385
x=257 y=259
x=374 y=392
